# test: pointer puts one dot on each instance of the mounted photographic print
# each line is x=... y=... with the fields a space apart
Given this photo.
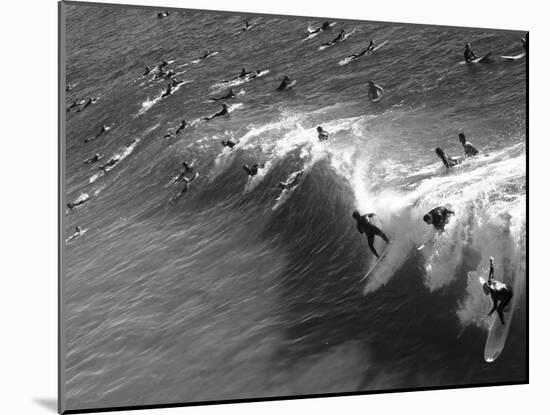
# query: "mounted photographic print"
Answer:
x=258 y=207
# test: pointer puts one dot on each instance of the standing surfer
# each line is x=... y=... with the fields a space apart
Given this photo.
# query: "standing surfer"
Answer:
x=500 y=293
x=365 y=225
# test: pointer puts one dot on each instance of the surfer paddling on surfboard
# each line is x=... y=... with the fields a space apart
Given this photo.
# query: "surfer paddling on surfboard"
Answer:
x=500 y=293
x=365 y=225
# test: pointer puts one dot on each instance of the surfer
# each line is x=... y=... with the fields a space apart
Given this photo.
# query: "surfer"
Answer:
x=206 y=55
x=448 y=161
x=181 y=127
x=337 y=39
x=163 y=64
x=94 y=159
x=248 y=26
x=230 y=143
x=322 y=135
x=286 y=82
x=322 y=28
x=230 y=94
x=169 y=74
x=168 y=91
x=292 y=180
x=244 y=73
x=160 y=15
x=438 y=217
x=186 y=168
x=74 y=105
x=469 y=149
x=500 y=293
x=220 y=113
x=102 y=130
x=253 y=170
x=469 y=54
x=114 y=160
x=369 y=48
x=365 y=225
x=147 y=70
x=87 y=103
x=375 y=92
x=76 y=234
x=187 y=181
x=83 y=198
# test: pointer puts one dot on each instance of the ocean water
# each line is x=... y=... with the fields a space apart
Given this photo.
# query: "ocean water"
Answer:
x=227 y=293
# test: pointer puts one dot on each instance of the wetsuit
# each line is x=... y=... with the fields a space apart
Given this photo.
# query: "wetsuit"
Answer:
x=286 y=81
x=364 y=225
x=229 y=143
x=440 y=217
x=469 y=55
x=501 y=294
x=469 y=149
x=93 y=159
x=323 y=135
x=181 y=127
x=253 y=170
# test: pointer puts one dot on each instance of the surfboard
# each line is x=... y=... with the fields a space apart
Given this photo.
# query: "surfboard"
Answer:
x=380 y=45
x=379 y=262
x=513 y=58
x=484 y=59
x=496 y=339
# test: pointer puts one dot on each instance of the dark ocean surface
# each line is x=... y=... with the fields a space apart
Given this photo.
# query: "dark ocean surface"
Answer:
x=227 y=293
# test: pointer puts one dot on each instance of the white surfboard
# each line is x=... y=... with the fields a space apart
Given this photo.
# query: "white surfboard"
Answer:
x=484 y=59
x=378 y=262
x=498 y=333
x=513 y=58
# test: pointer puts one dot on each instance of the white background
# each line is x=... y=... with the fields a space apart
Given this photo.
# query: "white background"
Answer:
x=28 y=178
